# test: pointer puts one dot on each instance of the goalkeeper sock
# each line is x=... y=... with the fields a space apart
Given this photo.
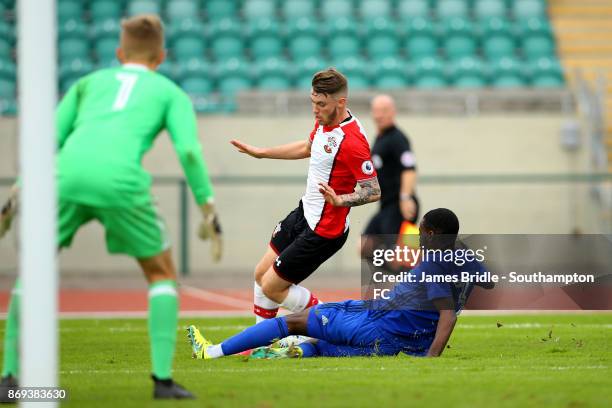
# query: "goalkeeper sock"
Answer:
x=163 y=319
x=10 y=365
x=263 y=307
x=299 y=298
x=261 y=334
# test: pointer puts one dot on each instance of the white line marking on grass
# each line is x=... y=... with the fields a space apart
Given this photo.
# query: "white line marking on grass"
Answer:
x=535 y=325
x=274 y=367
x=206 y=295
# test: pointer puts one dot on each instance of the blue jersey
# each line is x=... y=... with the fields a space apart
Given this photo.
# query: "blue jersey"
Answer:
x=409 y=310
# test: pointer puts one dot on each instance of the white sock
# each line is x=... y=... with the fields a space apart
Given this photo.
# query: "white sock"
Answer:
x=215 y=351
x=262 y=301
x=297 y=299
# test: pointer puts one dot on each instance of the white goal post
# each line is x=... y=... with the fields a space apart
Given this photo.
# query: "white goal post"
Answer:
x=36 y=59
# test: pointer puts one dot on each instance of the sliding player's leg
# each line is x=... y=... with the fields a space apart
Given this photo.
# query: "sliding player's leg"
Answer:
x=141 y=233
x=322 y=348
x=261 y=334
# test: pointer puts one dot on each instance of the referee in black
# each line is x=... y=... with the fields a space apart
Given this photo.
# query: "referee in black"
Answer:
x=396 y=167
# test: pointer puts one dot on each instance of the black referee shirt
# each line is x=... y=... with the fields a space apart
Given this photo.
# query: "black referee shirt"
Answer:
x=391 y=155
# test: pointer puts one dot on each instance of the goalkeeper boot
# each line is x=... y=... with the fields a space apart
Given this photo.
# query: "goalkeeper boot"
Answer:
x=199 y=345
x=270 y=353
x=6 y=384
x=168 y=389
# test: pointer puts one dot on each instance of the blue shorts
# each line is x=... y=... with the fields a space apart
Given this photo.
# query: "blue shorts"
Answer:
x=346 y=329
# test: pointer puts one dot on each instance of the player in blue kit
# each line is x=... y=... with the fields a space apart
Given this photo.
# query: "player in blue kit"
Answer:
x=416 y=318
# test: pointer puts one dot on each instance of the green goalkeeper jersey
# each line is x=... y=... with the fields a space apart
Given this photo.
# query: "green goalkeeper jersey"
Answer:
x=108 y=120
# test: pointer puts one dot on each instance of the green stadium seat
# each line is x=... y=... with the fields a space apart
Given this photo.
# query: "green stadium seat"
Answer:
x=71 y=71
x=143 y=7
x=507 y=73
x=421 y=40
x=73 y=48
x=381 y=38
x=8 y=76
x=305 y=70
x=8 y=107
x=467 y=72
x=459 y=38
x=187 y=39
x=537 y=38
x=226 y=39
x=522 y=9
x=6 y=40
x=546 y=73
x=182 y=9
x=8 y=70
x=304 y=39
x=194 y=67
x=273 y=74
x=331 y=9
x=73 y=41
x=105 y=9
x=343 y=38
x=429 y=73
x=409 y=9
x=265 y=39
x=452 y=8
x=168 y=69
x=294 y=9
x=109 y=28
x=69 y=10
x=497 y=39
x=197 y=86
x=188 y=47
x=374 y=9
x=255 y=9
x=234 y=76
x=8 y=88
x=486 y=9
x=356 y=73
x=389 y=73
x=220 y=9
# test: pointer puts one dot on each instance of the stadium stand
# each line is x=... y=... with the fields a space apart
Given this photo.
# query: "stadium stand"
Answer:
x=412 y=43
x=583 y=32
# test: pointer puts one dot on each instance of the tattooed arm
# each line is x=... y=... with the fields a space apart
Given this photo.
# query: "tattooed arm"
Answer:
x=368 y=192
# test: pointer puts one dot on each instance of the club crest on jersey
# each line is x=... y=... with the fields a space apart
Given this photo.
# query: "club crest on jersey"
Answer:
x=331 y=143
x=367 y=167
x=276 y=230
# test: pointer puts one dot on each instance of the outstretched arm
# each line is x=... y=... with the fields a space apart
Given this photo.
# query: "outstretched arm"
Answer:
x=368 y=192
x=445 y=327
x=290 y=151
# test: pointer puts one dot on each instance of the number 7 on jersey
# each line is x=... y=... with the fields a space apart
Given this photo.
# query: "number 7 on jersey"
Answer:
x=125 y=90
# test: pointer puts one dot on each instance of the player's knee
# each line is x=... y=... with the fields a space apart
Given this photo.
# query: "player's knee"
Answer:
x=271 y=291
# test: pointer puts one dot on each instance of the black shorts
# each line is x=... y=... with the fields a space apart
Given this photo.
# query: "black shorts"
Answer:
x=388 y=220
x=300 y=251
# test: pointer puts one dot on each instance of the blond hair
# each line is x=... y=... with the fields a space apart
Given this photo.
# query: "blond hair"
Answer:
x=142 y=37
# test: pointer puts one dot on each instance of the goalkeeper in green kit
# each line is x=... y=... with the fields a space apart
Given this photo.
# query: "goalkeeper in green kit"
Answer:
x=106 y=122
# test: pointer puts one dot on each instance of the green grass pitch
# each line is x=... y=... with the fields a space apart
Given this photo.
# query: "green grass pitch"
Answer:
x=530 y=361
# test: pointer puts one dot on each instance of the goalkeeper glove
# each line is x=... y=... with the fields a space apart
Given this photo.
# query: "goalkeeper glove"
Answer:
x=9 y=209
x=211 y=229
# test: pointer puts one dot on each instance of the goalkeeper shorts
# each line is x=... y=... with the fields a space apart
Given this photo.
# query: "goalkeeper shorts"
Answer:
x=135 y=231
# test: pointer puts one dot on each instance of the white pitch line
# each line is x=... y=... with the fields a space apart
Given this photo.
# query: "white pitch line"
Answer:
x=206 y=295
x=271 y=367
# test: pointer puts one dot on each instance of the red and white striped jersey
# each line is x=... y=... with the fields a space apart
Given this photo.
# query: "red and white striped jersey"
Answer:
x=340 y=157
